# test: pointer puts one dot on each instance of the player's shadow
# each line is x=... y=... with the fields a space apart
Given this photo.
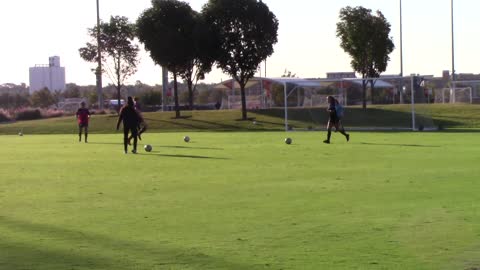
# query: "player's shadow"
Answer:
x=400 y=145
x=189 y=147
x=188 y=156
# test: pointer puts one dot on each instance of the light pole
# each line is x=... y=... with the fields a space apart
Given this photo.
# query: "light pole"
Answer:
x=401 y=53
x=401 y=40
x=99 y=68
x=452 y=93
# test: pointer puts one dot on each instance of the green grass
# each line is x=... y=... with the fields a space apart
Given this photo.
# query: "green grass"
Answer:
x=241 y=201
x=448 y=116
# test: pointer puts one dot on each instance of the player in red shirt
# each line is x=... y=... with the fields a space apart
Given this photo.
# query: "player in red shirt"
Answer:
x=83 y=115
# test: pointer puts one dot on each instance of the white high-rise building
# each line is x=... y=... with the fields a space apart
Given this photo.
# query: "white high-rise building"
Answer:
x=51 y=76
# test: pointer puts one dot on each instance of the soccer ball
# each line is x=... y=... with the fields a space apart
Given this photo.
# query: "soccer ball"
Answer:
x=254 y=122
x=186 y=139
x=148 y=147
x=288 y=140
x=20 y=134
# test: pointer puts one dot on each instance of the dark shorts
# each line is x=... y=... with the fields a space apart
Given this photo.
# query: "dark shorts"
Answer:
x=82 y=125
x=332 y=118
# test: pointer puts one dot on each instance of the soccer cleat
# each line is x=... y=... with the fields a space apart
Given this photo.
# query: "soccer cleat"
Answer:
x=348 y=137
x=139 y=137
x=326 y=141
x=134 y=151
x=126 y=152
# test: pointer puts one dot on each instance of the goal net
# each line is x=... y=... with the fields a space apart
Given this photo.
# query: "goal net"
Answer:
x=391 y=103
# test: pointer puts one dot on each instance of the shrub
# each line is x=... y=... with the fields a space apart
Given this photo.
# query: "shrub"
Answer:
x=28 y=114
x=5 y=116
x=51 y=113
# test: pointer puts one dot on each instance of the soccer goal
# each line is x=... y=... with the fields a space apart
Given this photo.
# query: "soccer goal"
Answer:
x=392 y=103
x=457 y=95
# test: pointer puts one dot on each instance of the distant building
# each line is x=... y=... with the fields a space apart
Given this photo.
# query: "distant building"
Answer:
x=340 y=75
x=51 y=76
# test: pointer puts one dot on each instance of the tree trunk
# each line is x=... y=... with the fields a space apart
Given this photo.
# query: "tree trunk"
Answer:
x=175 y=94
x=119 y=84
x=244 y=101
x=372 y=87
x=364 y=94
x=119 y=105
x=190 y=95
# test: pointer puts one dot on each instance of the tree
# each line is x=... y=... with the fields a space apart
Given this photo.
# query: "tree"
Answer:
x=365 y=37
x=71 y=91
x=118 y=49
x=166 y=31
x=43 y=98
x=151 y=98
x=247 y=31
x=205 y=47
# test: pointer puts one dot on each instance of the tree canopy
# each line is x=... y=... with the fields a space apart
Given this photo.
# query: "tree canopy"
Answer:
x=166 y=30
x=247 y=31
x=365 y=37
x=118 y=49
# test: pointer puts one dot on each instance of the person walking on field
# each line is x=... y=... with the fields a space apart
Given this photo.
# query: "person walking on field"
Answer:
x=130 y=119
x=83 y=116
x=335 y=113
x=142 y=126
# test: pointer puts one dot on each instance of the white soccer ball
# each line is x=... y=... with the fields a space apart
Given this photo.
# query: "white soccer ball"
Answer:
x=148 y=147
x=20 y=134
x=288 y=140
x=186 y=139
x=254 y=122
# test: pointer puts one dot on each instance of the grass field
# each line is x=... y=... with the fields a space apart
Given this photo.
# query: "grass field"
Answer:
x=241 y=201
x=459 y=116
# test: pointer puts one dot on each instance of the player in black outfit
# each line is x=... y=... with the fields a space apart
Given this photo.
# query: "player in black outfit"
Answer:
x=142 y=127
x=130 y=118
x=334 y=120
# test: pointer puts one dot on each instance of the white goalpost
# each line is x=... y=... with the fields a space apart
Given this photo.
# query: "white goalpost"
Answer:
x=305 y=103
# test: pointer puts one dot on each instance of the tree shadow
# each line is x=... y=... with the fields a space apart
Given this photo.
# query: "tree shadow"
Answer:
x=222 y=125
x=125 y=254
x=182 y=125
x=356 y=116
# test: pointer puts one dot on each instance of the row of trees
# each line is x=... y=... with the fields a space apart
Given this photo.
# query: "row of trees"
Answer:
x=17 y=96
x=236 y=35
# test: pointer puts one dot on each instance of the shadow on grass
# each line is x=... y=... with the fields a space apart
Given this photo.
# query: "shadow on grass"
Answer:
x=188 y=156
x=220 y=125
x=188 y=147
x=106 y=143
x=83 y=251
x=401 y=145
x=356 y=116
x=175 y=123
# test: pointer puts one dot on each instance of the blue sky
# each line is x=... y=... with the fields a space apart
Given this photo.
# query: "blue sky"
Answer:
x=33 y=30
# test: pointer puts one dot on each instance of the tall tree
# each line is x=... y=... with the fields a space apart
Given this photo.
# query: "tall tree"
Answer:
x=166 y=31
x=204 y=49
x=118 y=50
x=365 y=37
x=247 y=31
